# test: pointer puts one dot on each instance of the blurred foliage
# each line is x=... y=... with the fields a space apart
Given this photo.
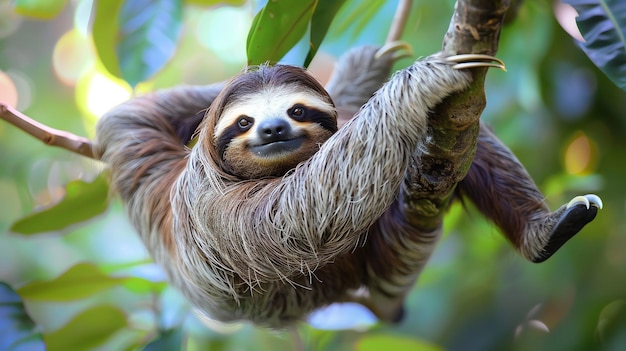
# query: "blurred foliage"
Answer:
x=81 y=200
x=563 y=118
x=603 y=27
x=17 y=330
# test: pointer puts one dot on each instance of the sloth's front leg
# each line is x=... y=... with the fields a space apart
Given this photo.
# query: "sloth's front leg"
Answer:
x=504 y=192
x=397 y=248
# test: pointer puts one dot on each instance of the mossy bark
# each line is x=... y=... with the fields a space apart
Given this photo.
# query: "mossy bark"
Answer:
x=454 y=125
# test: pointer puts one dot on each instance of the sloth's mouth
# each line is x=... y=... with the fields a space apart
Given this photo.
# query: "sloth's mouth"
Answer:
x=277 y=147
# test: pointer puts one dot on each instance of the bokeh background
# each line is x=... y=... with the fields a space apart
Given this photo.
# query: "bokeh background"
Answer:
x=560 y=115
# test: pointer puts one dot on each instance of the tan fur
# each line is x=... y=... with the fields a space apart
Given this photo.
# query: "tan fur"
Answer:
x=249 y=166
x=272 y=102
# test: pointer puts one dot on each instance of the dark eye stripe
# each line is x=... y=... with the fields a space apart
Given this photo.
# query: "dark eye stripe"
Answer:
x=311 y=114
x=231 y=132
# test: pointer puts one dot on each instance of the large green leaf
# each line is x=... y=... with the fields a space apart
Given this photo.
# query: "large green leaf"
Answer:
x=148 y=37
x=323 y=16
x=358 y=16
x=82 y=201
x=105 y=28
x=277 y=28
x=80 y=281
x=393 y=342
x=603 y=25
x=17 y=330
x=42 y=9
x=135 y=39
x=87 y=330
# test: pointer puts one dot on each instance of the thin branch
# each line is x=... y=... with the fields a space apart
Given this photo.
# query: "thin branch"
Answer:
x=48 y=135
x=399 y=21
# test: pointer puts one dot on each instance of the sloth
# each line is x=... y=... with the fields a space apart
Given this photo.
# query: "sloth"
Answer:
x=293 y=196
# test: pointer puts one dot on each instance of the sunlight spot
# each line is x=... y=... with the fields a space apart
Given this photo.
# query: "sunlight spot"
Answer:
x=41 y=191
x=580 y=155
x=71 y=57
x=98 y=92
x=342 y=316
x=8 y=90
x=24 y=85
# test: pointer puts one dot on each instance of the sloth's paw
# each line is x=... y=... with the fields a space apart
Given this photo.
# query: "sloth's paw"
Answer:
x=578 y=212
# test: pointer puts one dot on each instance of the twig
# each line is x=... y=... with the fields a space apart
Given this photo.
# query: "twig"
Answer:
x=48 y=135
x=399 y=20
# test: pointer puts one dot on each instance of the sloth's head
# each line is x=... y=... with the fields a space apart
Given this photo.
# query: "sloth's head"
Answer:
x=267 y=120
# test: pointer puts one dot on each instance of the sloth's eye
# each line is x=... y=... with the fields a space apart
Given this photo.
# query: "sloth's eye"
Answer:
x=245 y=122
x=297 y=112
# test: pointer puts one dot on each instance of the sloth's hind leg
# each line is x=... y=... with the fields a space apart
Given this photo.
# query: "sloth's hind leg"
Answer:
x=505 y=193
x=570 y=219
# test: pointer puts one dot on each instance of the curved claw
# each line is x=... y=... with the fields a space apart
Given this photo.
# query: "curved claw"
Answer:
x=464 y=61
x=587 y=200
x=578 y=212
x=395 y=48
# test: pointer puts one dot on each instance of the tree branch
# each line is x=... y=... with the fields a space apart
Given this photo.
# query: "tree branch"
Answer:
x=49 y=136
x=454 y=125
x=399 y=21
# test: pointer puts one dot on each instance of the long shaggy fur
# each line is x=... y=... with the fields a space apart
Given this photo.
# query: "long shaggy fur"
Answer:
x=268 y=250
x=272 y=250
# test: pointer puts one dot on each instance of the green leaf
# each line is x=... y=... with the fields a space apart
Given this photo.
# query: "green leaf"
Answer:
x=42 y=9
x=603 y=25
x=277 y=28
x=143 y=286
x=87 y=330
x=17 y=329
x=395 y=343
x=84 y=280
x=118 y=266
x=170 y=340
x=80 y=281
x=104 y=32
x=360 y=16
x=82 y=201
x=215 y=2
x=147 y=37
x=323 y=16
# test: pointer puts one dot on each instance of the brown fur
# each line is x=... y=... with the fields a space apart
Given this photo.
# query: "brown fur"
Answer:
x=269 y=250
x=272 y=250
x=498 y=194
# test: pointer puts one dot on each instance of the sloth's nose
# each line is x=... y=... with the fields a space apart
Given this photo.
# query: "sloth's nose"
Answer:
x=275 y=129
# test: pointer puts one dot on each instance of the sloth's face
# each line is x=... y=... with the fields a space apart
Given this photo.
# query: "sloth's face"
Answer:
x=270 y=131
